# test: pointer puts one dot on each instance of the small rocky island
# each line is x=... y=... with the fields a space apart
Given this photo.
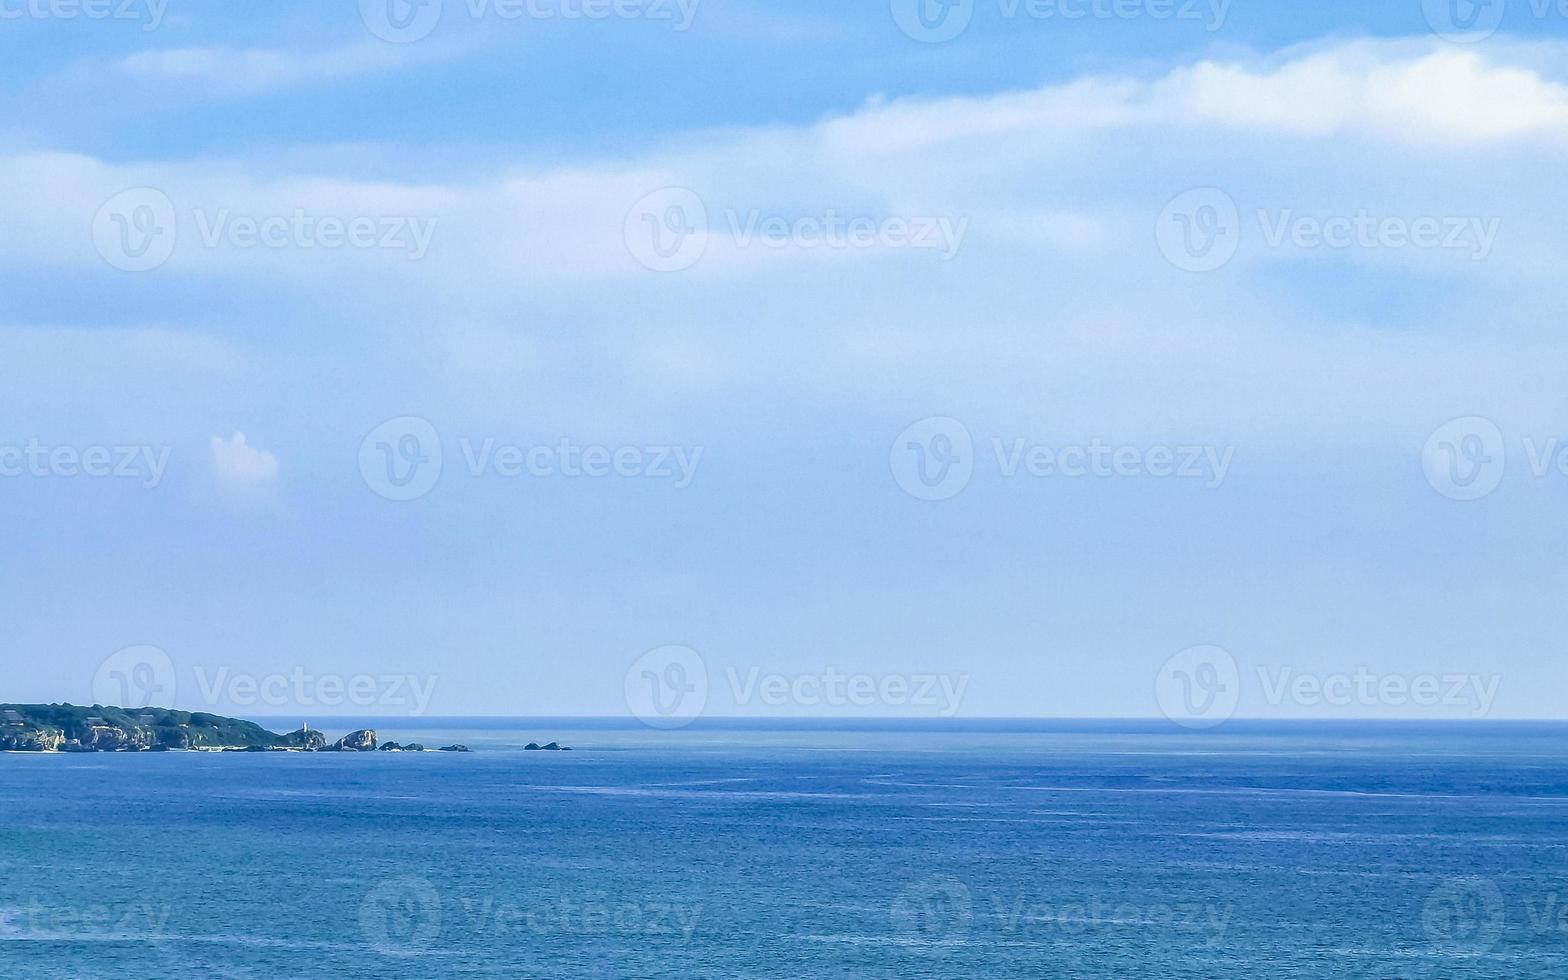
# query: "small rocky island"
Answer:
x=71 y=728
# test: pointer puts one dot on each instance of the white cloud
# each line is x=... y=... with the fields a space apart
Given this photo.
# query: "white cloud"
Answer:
x=1396 y=91
x=1059 y=304
x=225 y=70
x=990 y=158
x=1443 y=94
x=241 y=468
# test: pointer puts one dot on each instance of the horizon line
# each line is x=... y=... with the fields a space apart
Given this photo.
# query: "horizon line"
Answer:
x=1148 y=719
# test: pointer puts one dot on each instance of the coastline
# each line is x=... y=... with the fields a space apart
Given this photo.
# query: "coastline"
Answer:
x=70 y=729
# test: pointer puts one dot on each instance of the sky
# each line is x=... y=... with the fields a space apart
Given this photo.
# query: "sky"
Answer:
x=1179 y=359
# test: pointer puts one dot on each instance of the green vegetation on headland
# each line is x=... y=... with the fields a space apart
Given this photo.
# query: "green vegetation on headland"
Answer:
x=71 y=728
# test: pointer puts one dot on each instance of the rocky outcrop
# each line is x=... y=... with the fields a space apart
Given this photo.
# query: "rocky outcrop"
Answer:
x=536 y=747
x=111 y=738
x=363 y=740
x=304 y=739
x=175 y=738
x=454 y=748
x=31 y=741
x=104 y=728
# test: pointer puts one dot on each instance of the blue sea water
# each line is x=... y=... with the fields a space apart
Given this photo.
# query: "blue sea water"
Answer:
x=1000 y=850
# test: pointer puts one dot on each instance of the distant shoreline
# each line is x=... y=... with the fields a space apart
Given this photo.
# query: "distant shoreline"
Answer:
x=69 y=728
x=1141 y=725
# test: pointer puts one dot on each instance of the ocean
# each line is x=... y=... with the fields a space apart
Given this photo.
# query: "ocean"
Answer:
x=781 y=850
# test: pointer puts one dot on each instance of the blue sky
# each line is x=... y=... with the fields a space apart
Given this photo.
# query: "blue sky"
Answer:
x=1021 y=192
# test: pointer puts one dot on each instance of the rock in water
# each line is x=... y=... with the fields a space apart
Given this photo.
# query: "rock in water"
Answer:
x=110 y=738
x=32 y=741
x=363 y=740
x=304 y=739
